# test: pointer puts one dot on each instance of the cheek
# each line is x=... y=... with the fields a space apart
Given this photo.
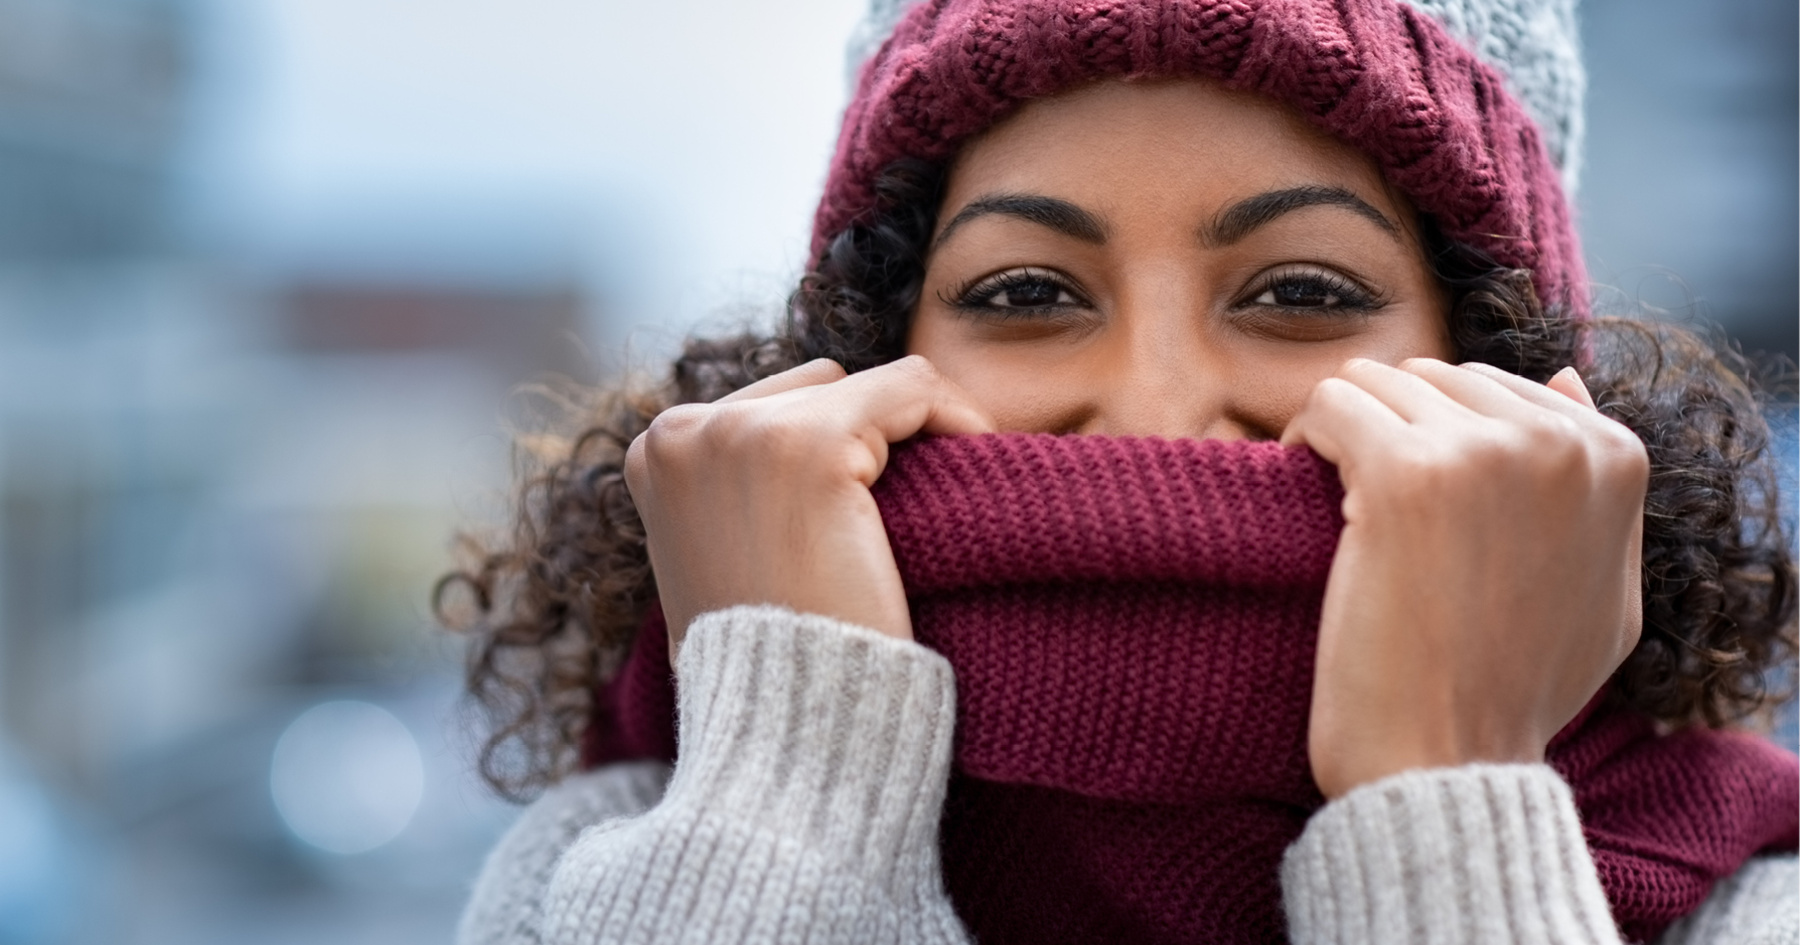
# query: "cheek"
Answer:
x=1426 y=329
x=1430 y=335
x=1270 y=395
x=1024 y=387
x=1424 y=333
x=1275 y=381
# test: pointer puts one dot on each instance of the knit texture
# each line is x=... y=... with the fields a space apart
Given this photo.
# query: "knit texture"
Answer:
x=808 y=811
x=1446 y=855
x=1482 y=854
x=506 y=905
x=1534 y=44
x=1757 y=905
x=1132 y=624
x=1377 y=74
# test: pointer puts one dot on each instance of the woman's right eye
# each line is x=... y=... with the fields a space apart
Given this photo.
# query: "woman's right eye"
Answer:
x=1019 y=291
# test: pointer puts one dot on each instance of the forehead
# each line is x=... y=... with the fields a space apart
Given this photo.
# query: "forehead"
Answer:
x=1118 y=145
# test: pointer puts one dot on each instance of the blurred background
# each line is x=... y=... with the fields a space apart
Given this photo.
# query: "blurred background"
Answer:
x=268 y=271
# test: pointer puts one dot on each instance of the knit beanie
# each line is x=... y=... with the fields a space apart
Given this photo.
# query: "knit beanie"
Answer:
x=1472 y=108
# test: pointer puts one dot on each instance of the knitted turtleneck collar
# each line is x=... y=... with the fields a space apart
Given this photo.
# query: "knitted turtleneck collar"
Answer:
x=1132 y=625
x=1379 y=75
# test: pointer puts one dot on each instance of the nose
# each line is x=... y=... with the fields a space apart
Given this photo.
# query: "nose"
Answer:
x=1154 y=381
x=1188 y=407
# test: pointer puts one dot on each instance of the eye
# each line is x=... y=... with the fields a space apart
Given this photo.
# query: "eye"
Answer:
x=1017 y=291
x=1314 y=290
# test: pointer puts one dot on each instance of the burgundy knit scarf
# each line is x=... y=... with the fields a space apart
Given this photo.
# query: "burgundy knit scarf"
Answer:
x=1132 y=624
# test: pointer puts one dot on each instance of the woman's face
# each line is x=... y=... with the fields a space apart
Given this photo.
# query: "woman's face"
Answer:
x=1167 y=258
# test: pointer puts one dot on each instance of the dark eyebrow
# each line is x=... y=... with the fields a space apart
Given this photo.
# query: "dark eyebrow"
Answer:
x=1059 y=215
x=1238 y=220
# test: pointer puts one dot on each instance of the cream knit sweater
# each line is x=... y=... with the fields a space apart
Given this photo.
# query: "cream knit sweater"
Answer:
x=815 y=756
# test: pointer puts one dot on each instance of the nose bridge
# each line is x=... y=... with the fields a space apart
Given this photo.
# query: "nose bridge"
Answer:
x=1168 y=378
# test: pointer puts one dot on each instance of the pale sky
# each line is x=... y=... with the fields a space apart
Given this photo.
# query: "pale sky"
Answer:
x=672 y=151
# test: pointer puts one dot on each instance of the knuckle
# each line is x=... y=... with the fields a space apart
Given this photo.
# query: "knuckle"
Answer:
x=825 y=366
x=1357 y=367
x=915 y=367
x=1549 y=429
x=668 y=433
x=663 y=445
x=1558 y=460
x=756 y=434
x=675 y=423
x=1330 y=392
x=1626 y=457
x=1624 y=445
x=636 y=464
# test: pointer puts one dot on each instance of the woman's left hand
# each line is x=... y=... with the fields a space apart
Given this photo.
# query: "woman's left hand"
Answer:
x=1488 y=579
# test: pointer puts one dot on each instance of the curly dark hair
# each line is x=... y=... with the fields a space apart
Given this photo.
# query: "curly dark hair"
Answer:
x=553 y=607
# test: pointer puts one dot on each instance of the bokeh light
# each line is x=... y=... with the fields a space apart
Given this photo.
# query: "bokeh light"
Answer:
x=347 y=776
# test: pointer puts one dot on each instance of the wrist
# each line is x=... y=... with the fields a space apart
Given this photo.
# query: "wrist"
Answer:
x=1382 y=754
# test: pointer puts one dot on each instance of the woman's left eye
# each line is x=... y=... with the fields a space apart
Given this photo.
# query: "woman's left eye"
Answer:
x=1315 y=291
x=1019 y=291
x=1031 y=295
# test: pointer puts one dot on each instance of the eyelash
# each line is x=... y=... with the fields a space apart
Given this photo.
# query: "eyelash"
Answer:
x=979 y=296
x=1352 y=297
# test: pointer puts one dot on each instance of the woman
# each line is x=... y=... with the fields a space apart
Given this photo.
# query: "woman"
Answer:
x=1223 y=225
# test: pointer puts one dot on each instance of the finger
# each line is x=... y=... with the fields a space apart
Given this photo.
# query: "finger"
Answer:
x=1560 y=401
x=1569 y=399
x=1476 y=390
x=811 y=374
x=1568 y=383
x=1342 y=421
x=1409 y=396
x=894 y=402
x=887 y=404
x=909 y=397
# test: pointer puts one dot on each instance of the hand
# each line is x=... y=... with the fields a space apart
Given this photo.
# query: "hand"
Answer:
x=762 y=497
x=1488 y=579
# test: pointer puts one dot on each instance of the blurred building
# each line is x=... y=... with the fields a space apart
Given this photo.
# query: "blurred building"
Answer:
x=90 y=106
x=1688 y=199
x=224 y=496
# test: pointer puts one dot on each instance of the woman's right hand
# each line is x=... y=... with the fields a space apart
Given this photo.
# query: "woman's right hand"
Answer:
x=762 y=497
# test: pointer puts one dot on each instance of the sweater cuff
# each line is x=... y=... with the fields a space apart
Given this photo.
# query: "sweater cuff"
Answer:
x=829 y=733
x=1482 y=853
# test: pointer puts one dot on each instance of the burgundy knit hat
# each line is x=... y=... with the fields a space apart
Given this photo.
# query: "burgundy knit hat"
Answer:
x=1377 y=74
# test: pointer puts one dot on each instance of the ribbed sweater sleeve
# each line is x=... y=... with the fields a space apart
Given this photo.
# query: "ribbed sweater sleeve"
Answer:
x=1477 y=854
x=1757 y=905
x=506 y=905
x=815 y=757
